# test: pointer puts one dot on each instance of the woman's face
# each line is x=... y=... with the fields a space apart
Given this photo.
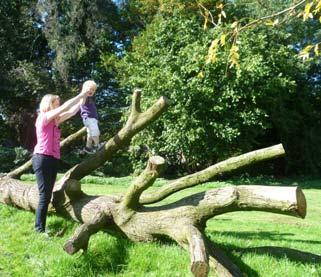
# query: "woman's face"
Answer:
x=56 y=103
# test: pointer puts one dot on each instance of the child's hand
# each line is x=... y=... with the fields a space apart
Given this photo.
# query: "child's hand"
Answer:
x=82 y=101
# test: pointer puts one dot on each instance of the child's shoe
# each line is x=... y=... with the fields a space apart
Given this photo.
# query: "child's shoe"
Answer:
x=89 y=150
x=99 y=146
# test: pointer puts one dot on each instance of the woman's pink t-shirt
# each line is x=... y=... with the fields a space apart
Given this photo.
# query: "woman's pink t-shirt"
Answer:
x=48 y=137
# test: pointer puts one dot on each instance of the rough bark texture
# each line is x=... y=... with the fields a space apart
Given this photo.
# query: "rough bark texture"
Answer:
x=183 y=221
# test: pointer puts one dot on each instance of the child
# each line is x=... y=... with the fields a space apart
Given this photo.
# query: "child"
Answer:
x=88 y=112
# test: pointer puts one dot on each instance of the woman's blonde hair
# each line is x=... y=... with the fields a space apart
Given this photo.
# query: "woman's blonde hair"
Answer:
x=47 y=101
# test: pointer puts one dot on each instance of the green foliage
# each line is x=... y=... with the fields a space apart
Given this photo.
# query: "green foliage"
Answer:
x=81 y=34
x=52 y=47
x=77 y=31
x=255 y=94
x=12 y=158
x=216 y=112
x=22 y=155
x=7 y=156
x=23 y=68
x=118 y=166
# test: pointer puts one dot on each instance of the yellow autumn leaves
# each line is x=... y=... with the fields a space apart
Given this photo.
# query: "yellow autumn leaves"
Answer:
x=308 y=50
x=312 y=9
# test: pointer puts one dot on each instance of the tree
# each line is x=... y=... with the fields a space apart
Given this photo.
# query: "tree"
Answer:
x=183 y=221
x=23 y=64
x=52 y=47
x=78 y=32
x=265 y=97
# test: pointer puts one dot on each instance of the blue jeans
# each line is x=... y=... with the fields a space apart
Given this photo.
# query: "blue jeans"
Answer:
x=45 y=168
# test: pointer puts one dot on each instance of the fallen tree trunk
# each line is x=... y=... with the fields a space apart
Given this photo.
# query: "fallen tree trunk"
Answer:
x=183 y=221
x=16 y=173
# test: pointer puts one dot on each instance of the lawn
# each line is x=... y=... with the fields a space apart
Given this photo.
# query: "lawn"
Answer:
x=24 y=253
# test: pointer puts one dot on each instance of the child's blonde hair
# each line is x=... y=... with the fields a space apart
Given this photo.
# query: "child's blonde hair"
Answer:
x=89 y=84
x=47 y=101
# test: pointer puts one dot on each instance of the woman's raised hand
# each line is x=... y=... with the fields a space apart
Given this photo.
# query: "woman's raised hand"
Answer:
x=85 y=91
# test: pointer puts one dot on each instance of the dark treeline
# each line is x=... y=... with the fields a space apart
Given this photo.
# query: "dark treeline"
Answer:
x=217 y=110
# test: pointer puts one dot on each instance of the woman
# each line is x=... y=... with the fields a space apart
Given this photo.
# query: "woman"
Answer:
x=47 y=150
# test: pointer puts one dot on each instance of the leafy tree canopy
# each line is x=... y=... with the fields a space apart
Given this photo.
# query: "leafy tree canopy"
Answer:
x=219 y=110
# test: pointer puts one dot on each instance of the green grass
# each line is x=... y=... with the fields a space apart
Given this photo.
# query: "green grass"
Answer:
x=23 y=253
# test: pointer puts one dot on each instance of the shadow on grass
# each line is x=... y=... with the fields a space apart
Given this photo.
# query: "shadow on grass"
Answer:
x=284 y=252
x=235 y=252
x=233 y=264
x=274 y=236
x=270 y=181
x=59 y=226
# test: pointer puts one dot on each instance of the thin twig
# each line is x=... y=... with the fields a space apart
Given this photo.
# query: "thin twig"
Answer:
x=273 y=15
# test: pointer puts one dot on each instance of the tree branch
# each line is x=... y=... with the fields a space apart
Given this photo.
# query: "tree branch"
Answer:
x=254 y=22
x=135 y=123
x=149 y=223
x=198 y=253
x=213 y=171
x=192 y=240
x=205 y=205
x=145 y=180
x=136 y=102
x=150 y=115
x=220 y=262
x=80 y=239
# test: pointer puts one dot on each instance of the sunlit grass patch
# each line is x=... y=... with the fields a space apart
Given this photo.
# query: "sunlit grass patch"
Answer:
x=25 y=253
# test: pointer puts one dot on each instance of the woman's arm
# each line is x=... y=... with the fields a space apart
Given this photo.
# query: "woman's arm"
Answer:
x=72 y=111
x=52 y=114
